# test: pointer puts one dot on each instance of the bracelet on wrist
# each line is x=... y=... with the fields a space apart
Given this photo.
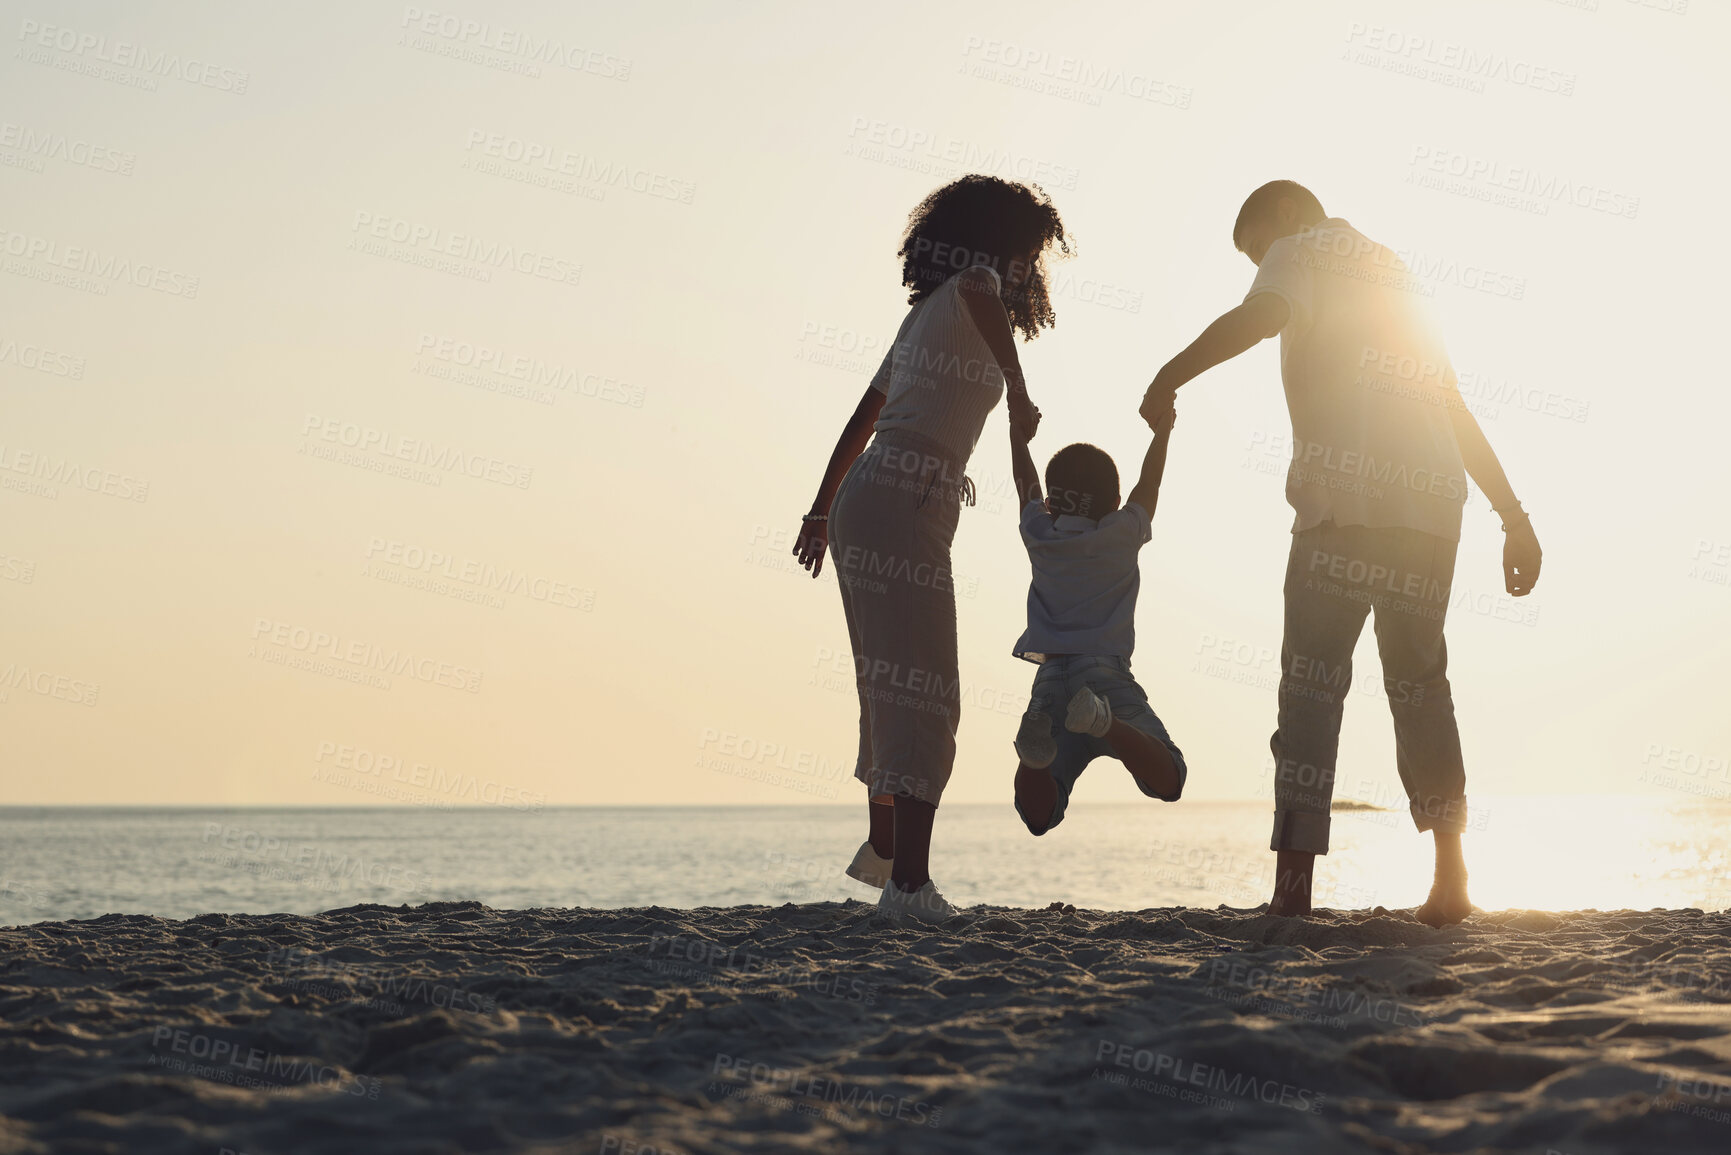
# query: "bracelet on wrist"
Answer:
x=1512 y=515
x=815 y=517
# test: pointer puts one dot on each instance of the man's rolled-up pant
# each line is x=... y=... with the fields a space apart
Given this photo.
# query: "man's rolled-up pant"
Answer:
x=1335 y=576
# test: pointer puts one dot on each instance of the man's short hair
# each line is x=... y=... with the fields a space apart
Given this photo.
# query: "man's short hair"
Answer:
x=1081 y=480
x=1261 y=202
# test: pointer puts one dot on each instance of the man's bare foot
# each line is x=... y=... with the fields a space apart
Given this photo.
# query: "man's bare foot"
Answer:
x=1292 y=884
x=1448 y=902
x=1036 y=795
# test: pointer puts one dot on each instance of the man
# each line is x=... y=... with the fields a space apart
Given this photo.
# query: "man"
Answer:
x=1382 y=444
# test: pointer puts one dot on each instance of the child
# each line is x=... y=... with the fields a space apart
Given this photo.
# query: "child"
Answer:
x=1081 y=629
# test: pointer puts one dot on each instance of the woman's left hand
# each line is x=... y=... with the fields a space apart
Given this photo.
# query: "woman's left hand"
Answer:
x=809 y=547
x=1024 y=414
x=1029 y=424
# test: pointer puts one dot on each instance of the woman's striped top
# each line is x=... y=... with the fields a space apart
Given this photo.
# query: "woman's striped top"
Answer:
x=939 y=378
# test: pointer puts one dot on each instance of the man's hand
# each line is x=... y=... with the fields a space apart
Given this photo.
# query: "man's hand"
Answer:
x=1521 y=556
x=1157 y=403
x=809 y=547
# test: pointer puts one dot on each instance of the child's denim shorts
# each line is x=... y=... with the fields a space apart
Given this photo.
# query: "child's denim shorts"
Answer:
x=1055 y=684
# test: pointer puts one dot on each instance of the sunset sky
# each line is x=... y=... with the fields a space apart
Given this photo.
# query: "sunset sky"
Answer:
x=418 y=404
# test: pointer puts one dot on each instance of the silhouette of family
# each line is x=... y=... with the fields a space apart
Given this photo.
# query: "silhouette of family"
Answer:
x=1382 y=449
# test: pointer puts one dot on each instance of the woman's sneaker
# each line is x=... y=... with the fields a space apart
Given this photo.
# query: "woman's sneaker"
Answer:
x=1035 y=745
x=1089 y=713
x=923 y=905
x=868 y=868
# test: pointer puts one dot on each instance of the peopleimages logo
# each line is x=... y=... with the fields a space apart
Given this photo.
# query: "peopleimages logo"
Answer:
x=125 y=54
x=1317 y=464
x=94 y=263
x=63 y=687
x=41 y=145
x=533 y=372
x=1069 y=77
x=746 y=749
x=364 y=654
x=17 y=569
x=433 y=241
x=53 y=471
x=479 y=574
x=1428 y=58
x=737 y=1077
x=526 y=46
x=1404 y=375
x=453 y=786
x=320 y=974
x=1492 y=176
x=1184 y=1072
x=259 y=852
x=43 y=360
x=415 y=450
x=923 y=149
x=579 y=166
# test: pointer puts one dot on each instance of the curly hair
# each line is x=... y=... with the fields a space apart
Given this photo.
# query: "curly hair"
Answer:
x=984 y=220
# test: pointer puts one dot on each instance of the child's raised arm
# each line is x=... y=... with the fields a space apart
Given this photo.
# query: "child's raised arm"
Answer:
x=1022 y=469
x=1147 y=491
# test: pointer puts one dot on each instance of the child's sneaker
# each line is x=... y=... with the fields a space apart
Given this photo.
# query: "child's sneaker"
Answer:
x=1089 y=714
x=868 y=868
x=923 y=905
x=1034 y=743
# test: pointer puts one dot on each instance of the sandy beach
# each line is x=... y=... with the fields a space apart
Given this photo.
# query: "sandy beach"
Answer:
x=453 y=1027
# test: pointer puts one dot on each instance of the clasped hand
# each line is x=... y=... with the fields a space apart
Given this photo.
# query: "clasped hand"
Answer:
x=1024 y=414
x=1157 y=404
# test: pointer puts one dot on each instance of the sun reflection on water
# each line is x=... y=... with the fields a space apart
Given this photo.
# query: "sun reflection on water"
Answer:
x=1605 y=852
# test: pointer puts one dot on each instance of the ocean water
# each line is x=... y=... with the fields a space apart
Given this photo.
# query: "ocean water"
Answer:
x=1550 y=853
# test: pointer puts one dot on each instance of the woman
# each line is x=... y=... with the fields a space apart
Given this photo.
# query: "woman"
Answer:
x=971 y=258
